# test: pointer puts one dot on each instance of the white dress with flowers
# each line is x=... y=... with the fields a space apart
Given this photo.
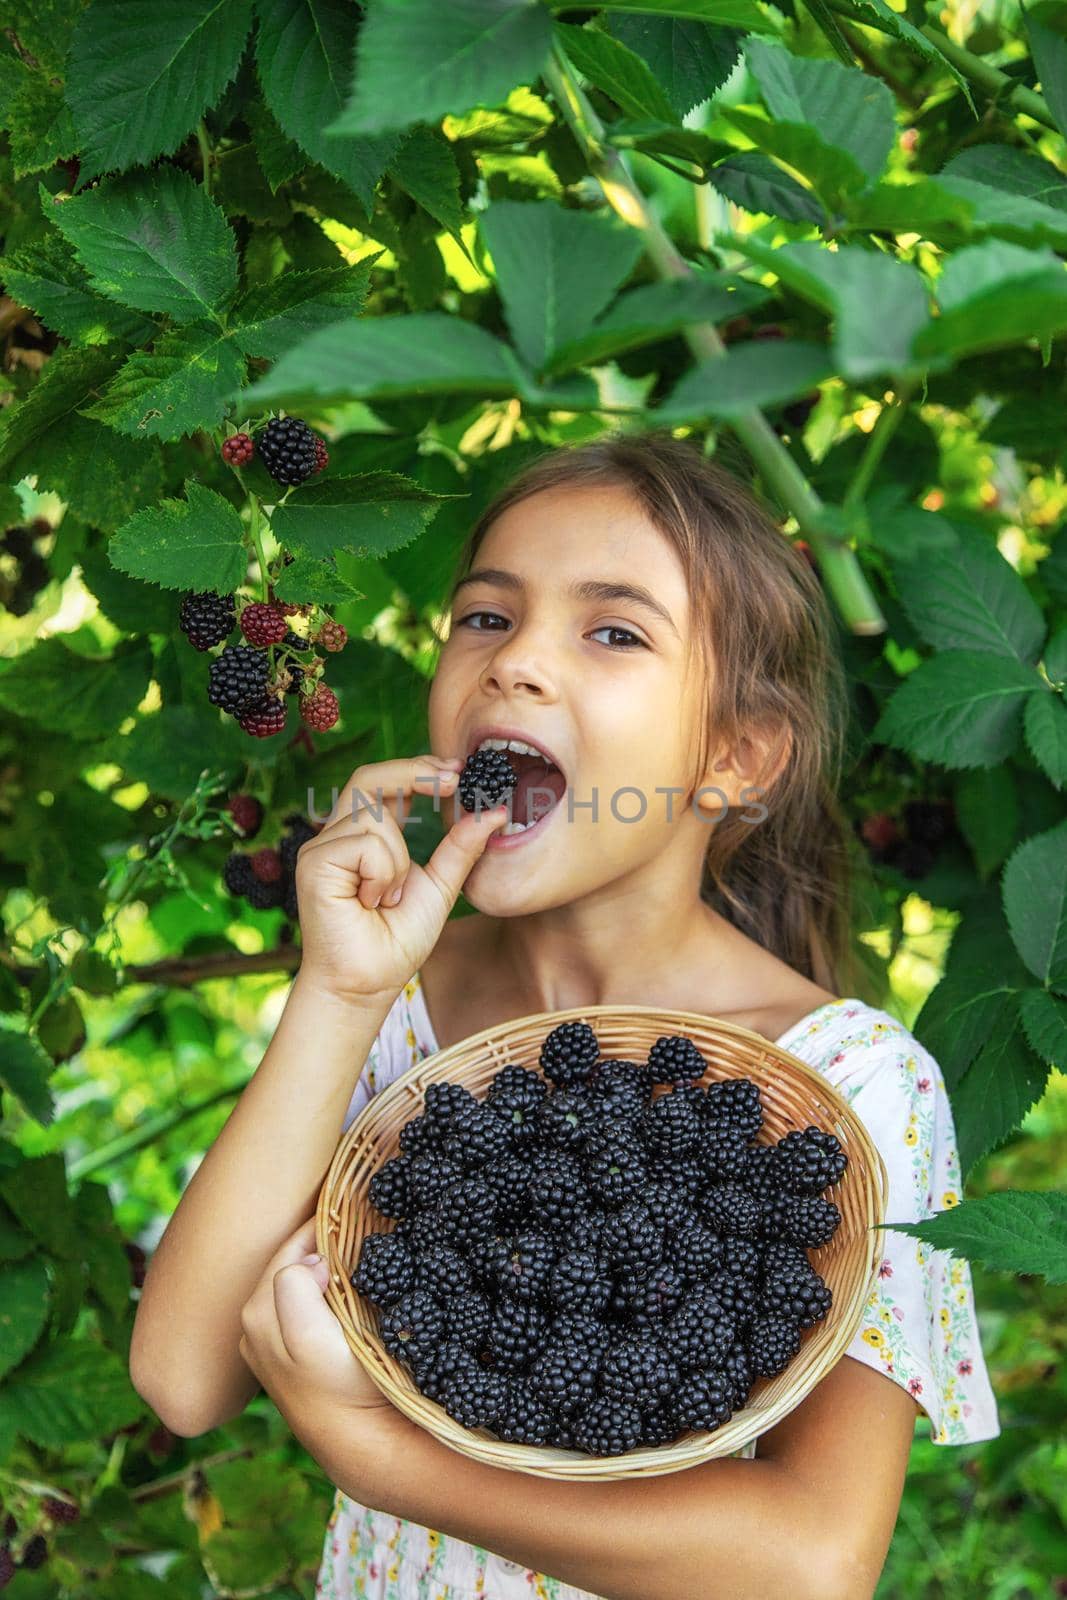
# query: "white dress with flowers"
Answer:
x=919 y=1327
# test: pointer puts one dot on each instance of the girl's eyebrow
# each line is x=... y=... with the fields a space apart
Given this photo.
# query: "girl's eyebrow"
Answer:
x=584 y=589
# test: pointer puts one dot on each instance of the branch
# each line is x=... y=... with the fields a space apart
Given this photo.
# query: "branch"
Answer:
x=837 y=562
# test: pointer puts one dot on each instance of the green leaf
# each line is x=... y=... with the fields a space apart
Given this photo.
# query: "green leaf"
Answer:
x=848 y=108
x=990 y=295
x=101 y=474
x=133 y=606
x=752 y=181
x=972 y=598
x=960 y=709
x=24 y=1070
x=1013 y=217
x=1045 y=726
x=319 y=581
x=304 y=51
x=102 y=1250
x=987 y=810
x=1055 y=657
x=271 y=317
x=68 y=1392
x=1003 y=1081
x=46 y=277
x=616 y=69
x=728 y=13
x=1048 y=47
x=417 y=61
x=691 y=60
x=425 y=167
x=24 y=1297
x=1016 y=172
x=845 y=283
x=141 y=77
x=40 y=129
x=193 y=544
x=280 y=158
x=170 y=749
x=1045 y=1024
x=908 y=533
x=179 y=387
x=367 y=515
x=154 y=241
x=386 y=357
x=653 y=311
x=759 y=373
x=556 y=270
x=897 y=25
x=980 y=987
x=1035 y=903
x=36 y=1192
x=68 y=377
x=835 y=176
x=75 y=694
x=1017 y=1231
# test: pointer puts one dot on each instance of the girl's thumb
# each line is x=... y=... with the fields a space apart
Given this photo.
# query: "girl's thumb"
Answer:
x=451 y=862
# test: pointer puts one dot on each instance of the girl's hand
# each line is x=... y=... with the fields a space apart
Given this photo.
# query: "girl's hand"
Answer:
x=369 y=915
x=295 y=1346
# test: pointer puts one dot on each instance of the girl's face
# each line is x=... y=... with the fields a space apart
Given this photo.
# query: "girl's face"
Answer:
x=597 y=678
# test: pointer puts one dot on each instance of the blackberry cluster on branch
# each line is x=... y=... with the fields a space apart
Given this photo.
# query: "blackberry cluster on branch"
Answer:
x=597 y=1256
x=286 y=447
x=207 y=618
x=266 y=878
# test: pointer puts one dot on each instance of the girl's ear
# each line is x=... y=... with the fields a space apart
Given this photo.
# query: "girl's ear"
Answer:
x=756 y=758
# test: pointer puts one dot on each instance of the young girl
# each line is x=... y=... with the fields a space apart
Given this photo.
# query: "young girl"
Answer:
x=630 y=610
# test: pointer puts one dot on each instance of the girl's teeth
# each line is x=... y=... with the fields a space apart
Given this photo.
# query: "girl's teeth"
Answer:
x=515 y=827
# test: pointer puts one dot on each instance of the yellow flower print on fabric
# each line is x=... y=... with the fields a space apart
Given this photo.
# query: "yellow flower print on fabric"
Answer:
x=911 y=1137
x=874 y=1337
x=950 y=1198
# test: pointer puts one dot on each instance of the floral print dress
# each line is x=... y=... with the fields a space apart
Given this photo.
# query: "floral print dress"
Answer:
x=919 y=1328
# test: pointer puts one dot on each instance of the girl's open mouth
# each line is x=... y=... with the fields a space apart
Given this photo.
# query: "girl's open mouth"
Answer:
x=539 y=788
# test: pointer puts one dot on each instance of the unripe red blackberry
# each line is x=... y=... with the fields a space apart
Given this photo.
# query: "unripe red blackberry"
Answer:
x=263 y=625
x=7 y=1566
x=332 y=635
x=238 y=678
x=287 y=449
x=207 y=618
x=246 y=812
x=238 y=449
x=322 y=455
x=267 y=865
x=320 y=710
x=263 y=718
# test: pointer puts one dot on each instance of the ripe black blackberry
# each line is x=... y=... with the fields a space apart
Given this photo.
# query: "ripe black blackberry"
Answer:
x=704 y=1400
x=237 y=678
x=701 y=1330
x=477 y=1137
x=607 y=1427
x=632 y=1239
x=286 y=447
x=580 y=1282
x=417 y=1135
x=736 y=1102
x=670 y=1125
x=805 y=1220
x=555 y=1194
x=425 y=1231
x=764 y=1172
x=508 y=1180
x=207 y=618
x=524 y=1418
x=565 y=1378
x=468 y=1209
x=741 y=1297
x=467 y=1317
x=615 y=1168
x=811 y=1160
x=742 y=1258
x=389 y=1188
x=737 y=1366
x=665 y=1202
x=564 y=1119
x=569 y=1053
x=515 y=1094
x=674 y=1058
x=386 y=1269
x=727 y=1208
x=646 y=1302
x=442 y=1271
x=772 y=1342
x=435 y=1372
x=797 y=1293
x=525 y=1270
x=474 y=1397
x=624 y=1085
x=723 y=1152
x=517 y=1331
x=237 y=873
x=485 y=778
x=412 y=1326
x=443 y=1100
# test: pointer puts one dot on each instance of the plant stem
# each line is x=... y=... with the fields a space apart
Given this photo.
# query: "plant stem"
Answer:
x=147 y=1132
x=838 y=563
x=889 y=420
x=257 y=540
x=205 y=154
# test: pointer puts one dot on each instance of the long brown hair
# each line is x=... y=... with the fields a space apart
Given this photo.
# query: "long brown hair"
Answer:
x=766 y=630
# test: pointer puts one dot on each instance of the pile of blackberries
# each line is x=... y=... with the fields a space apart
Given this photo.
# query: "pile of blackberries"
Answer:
x=582 y=1262
x=266 y=878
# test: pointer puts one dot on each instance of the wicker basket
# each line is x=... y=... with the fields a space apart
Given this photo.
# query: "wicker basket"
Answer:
x=794 y=1095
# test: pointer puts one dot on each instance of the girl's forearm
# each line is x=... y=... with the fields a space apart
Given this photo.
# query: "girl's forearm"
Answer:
x=259 y=1181
x=726 y=1530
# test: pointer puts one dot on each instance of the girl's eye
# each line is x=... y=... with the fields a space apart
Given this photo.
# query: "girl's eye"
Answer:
x=608 y=627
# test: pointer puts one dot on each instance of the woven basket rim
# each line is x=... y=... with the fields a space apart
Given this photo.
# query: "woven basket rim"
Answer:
x=828 y=1339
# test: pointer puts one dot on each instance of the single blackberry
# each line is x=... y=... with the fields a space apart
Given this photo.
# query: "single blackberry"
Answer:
x=425 y=1231
x=263 y=625
x=675 y=1059
x=467 y=1317
x=670 y=1125
x=468 y=1209
x=772 y=1342
x=737 y=1366
x=615 y=1169
x=442 y=1272
x=742 y=1258
x=35 y=1553
x=237 y=873
x=565 y=1378
x=238 y=449
x=286 y=447
x=729 y=1209
x=247 y=813
x=320 y=709
x=584 y=1231
x=332 y=635
x=658 y=1425
x=764 y=1171
x=607 y=1427
x=632 y=1239
x=524 y=1418
x=569 y=1053
x=418 y=1135
x=570 y=1328
x=556 y=1192
x=779 y=1257
x=805 y=1220
x=723 y=1152
x=433 y=1373
x=798 y=1294
x=485 y=1255
x=564 y=1119
x=684 y=1176
x=622 y=1084
x=811 y=1160
x=267 y=865
x=740 y=1296
x=386 y=1269
x=237 y=678
x=736 y=1102
x=443 y=1100
x=477 y=1137
x=700 y=1331
x=207 y=618
x=474 y=1397
x=515 y=1094
x=389 y=1188
x=704 y=1401
x=411 y=1327
x=508 y=1180
x=60 y=1510
x=263 y=718
x=517 y=1332
x=486 y=777
x=668 y=1204
x=646 y=1302
x=580 y=1282
x=264 y=896
x=526 y=1269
